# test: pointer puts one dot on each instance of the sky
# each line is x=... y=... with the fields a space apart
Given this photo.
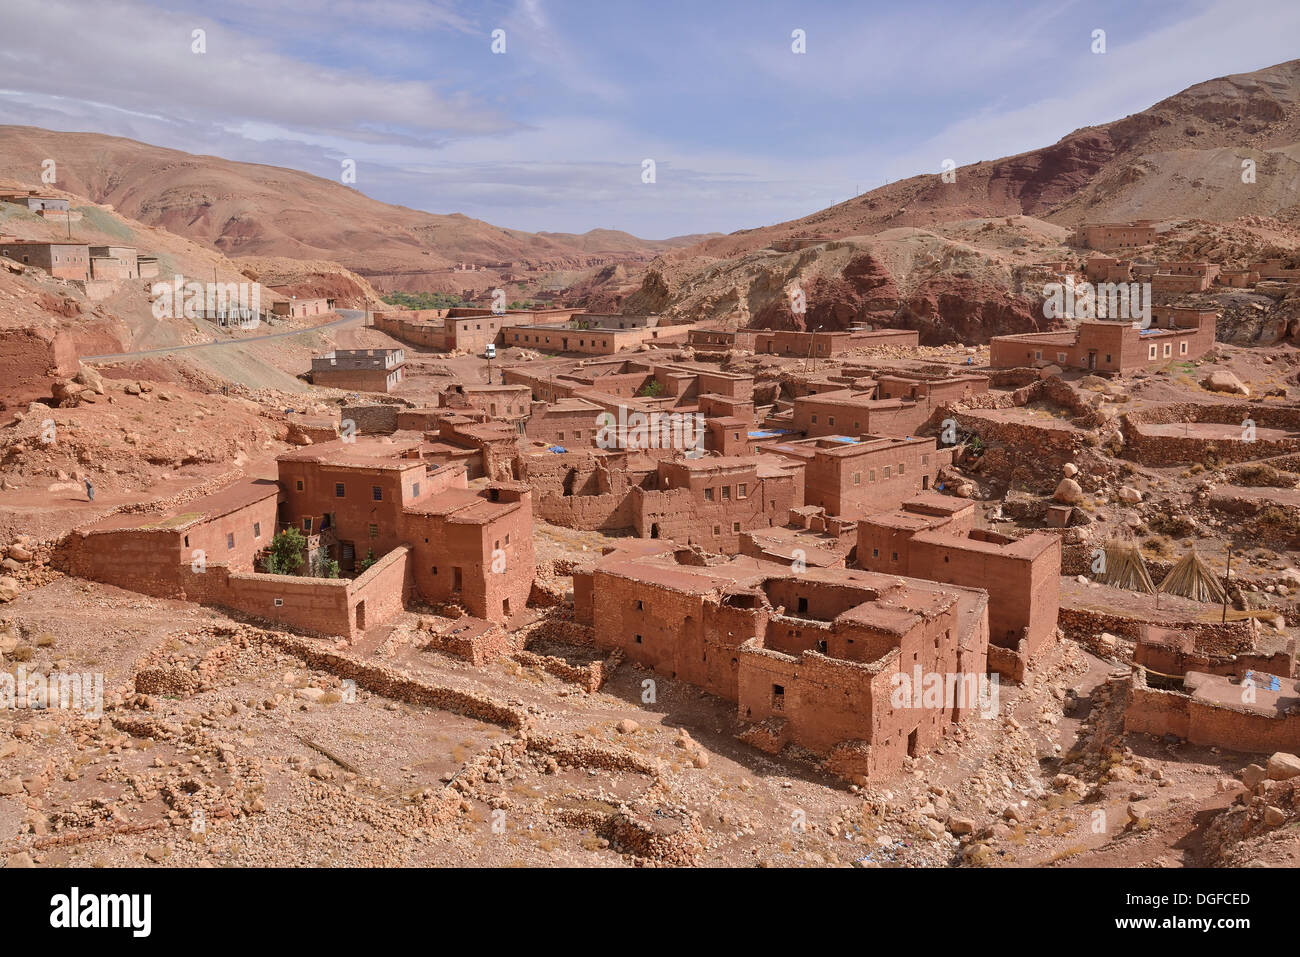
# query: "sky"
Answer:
x=553 y=131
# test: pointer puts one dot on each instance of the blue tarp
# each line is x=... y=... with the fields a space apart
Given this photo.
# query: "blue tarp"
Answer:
x=557 y=449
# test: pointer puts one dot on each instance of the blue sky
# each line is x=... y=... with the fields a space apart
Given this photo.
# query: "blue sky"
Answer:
x=551 y=134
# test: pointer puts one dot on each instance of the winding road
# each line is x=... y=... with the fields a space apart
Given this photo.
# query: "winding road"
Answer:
x=349 y=316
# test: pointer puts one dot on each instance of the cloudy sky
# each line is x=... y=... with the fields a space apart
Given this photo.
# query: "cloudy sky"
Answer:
x=553 y=132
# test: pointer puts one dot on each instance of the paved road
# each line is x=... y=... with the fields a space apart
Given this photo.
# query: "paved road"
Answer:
x=349 y=316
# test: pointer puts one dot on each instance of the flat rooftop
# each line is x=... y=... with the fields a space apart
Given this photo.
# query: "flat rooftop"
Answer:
x=232 y=498
x=401 y=450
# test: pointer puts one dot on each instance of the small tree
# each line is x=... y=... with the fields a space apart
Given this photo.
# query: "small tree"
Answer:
x=285 y=554
x=368 y=560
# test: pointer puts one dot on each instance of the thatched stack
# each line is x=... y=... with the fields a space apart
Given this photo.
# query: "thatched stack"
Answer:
x=1192 y=578
x=1126 y=569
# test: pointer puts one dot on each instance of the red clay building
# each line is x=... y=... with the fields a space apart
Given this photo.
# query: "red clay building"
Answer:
x=814 y=659
x=1112 y=346
x=933 y=537
x=61 y=260
x=851 y=478
x=365 y=370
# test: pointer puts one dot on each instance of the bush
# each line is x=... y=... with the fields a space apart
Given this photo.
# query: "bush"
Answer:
x=284 y=557
x=368 y=560
x=1260 y=474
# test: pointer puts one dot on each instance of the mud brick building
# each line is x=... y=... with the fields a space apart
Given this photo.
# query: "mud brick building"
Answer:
x=1210 y=650
x=365 y=370
x=710 y=501
x=593 y=334
x=1215 y=710
x=1107 y=269
x=823 y=345
x=933 y=537
x=892 y=404
x=114 y=262
x=460 y=328
x=1108 y=237
x=1112 y=346
x=1275 y=269
x=809 y=658
x=711 y=339
x=511 y=404
x=851 y=477
x=294 y=308
x=60 y=260
x=568 y=423
x=36 y=203
x=411 y=528
x=146 y=552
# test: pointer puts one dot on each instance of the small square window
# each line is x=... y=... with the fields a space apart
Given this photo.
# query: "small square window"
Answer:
x=376 y=493
x=338 y=489
x=279 y=602
x=257 y=529
x=374 y=531
x=708 y=495
x=230 y=540
x=415 y=490
x=735 y=526
x=299 y=485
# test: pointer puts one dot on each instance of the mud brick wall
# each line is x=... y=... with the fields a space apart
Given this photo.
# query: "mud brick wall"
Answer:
x=1024 y=589
x=1082 y=622
x=611 y=512
x=1152 y=711
x=1221 y=413
x=359 y=380
x=317 y=606
x=382 y=587
x=1169 y=712
x=379 y=419
x=1159 y=450
x=145 y=561
x=391 y=682
x=683 y=516
x=477 y=649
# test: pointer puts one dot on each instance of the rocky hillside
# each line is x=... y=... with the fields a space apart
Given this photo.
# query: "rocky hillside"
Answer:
x=950 y=258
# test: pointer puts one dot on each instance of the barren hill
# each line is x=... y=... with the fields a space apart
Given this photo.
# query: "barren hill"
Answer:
x=245 y=209
x=1180 y=157
x=951 y=259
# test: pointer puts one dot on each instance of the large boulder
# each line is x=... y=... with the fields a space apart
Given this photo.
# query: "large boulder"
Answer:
x=1068 y=492
x=1283 y=766
x=1222 y=381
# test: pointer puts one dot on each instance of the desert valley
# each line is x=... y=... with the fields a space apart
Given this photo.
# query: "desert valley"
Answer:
x=956 y=525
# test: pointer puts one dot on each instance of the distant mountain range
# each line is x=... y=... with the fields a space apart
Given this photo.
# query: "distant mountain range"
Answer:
x=245 y=209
